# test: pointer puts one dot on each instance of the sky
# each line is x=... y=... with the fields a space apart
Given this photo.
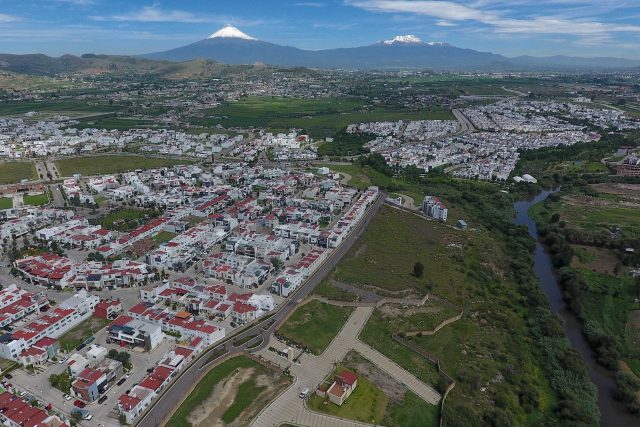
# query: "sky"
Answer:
x=508 y=27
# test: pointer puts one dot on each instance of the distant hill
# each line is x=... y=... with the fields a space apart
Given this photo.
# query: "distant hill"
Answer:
x=90 y=64
x=231 y=46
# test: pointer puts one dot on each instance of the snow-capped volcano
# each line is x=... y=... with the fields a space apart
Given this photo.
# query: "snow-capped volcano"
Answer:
x=409 y=38
x=229 y=32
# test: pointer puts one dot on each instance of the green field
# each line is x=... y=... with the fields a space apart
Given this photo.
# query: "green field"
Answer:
x=329 y=291
x=97 y=165
x=315 y=324
x=163 y=236
x=377 y=333
x=14 y=172
x=320 y=117
x=123 y=220
x=36 y=200
x=379 y=258
x=6 y=202
x=248 y=400
x=52 y=106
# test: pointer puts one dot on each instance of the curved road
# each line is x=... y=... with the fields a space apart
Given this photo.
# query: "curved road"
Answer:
x=162 y=406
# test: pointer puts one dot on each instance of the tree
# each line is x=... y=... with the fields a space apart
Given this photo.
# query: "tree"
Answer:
x=418 y=269
x=113 y=354
x=122 y=419
x=276 y=262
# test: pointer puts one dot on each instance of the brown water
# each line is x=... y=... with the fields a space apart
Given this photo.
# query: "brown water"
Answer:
x=613 y=412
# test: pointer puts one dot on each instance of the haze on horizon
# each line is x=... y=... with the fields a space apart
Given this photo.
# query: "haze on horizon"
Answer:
x=509 y=27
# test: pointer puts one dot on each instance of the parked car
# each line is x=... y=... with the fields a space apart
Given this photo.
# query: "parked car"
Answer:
x=79 y=403
x=8 y=376
x=234 y=324
x=121 y=381
x=66 y=397
x=128 y=374
x=103 y=399
x=304 y=393
x=87 y=417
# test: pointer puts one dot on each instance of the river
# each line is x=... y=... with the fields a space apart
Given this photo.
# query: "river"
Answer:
x=613 y=412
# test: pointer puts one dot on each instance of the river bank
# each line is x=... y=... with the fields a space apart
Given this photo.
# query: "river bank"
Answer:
x=613 y=413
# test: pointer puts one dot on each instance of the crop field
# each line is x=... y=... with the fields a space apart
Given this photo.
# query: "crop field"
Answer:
x=96 y=165
x=14 y=172
x=319 y=117
x=53 y=106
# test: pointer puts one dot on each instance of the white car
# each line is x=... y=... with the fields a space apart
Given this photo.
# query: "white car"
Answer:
x=87 y=417
x=66 y=397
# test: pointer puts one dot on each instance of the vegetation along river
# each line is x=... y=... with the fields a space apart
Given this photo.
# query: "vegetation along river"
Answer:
x=613 y=413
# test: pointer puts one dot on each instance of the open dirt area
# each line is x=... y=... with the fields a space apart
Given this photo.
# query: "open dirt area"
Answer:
x=595 y=259
x=396 y=310
x=210 y=412
x=630 y=191
x=634 y=328
x=391 y=388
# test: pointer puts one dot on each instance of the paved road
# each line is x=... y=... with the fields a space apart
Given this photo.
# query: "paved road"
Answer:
x=164 y=405
x=467 y=126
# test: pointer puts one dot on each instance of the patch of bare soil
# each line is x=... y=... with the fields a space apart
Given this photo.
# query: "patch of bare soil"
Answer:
x=630 y=191
x=396 y=310
x=603 y=260
x=634 y=328
x=209 y=412
x=391 y=387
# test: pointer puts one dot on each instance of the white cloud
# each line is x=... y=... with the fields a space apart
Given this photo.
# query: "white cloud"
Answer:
x=448 y=11
x=9 y=18
x=154 y=14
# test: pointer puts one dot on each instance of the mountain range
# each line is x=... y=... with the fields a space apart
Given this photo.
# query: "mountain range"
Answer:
x=231 y=46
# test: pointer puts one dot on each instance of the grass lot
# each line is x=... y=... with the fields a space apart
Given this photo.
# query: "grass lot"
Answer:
x=315 y=324
x=36 y=200
x=96 y=165
x=320 y=117
x=380 y=257
x=414 y=319
x=248 y=400
x=70 y=340
x=14 y=172
x=123 y=220
x=411 y=412
x=327 y=290
x=6 y=202
x=244 y=397
x=367 y=402
x=163 y=236
x=377 y=333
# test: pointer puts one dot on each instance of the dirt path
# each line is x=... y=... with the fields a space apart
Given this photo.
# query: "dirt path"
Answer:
x=209 y=413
